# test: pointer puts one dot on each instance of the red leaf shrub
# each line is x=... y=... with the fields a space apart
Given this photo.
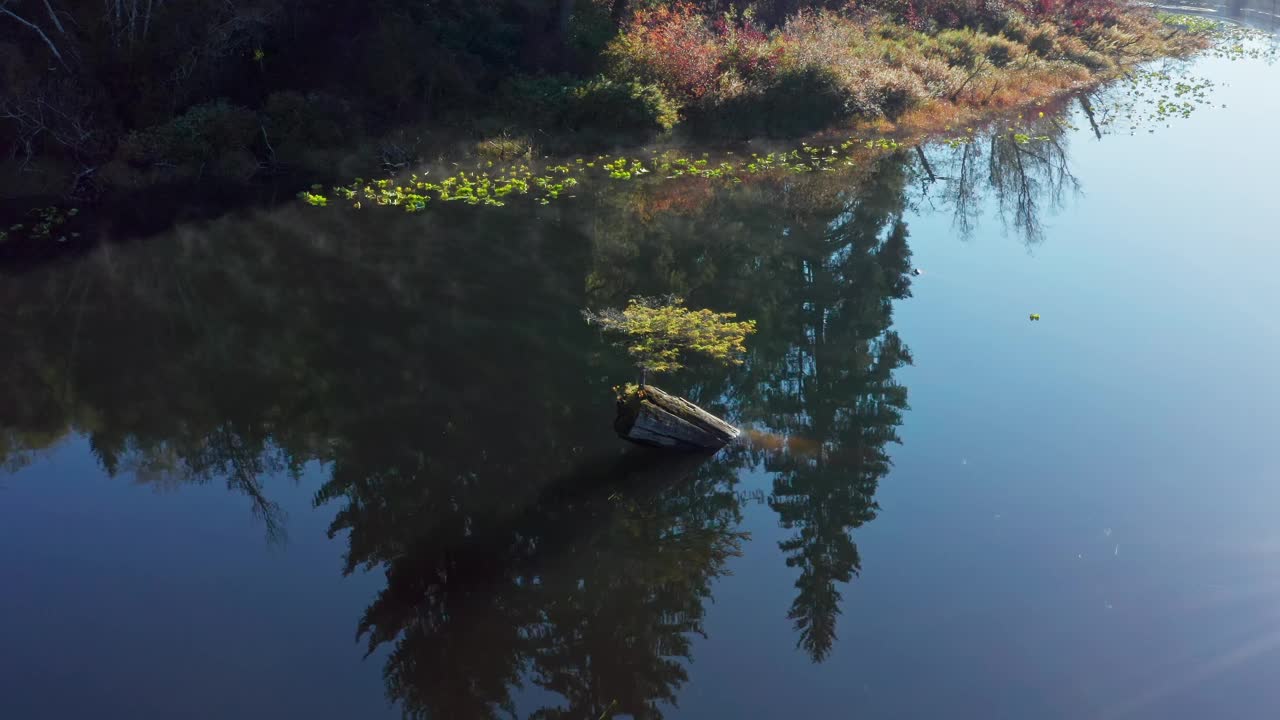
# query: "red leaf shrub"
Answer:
x=672 y=46
x=679 y=48
x=1076 y=13
x=993 y=15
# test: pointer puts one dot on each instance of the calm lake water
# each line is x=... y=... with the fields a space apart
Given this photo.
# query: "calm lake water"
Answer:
x=301 y=463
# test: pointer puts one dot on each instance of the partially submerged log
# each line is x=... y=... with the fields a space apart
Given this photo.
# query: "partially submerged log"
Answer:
x=653 y=417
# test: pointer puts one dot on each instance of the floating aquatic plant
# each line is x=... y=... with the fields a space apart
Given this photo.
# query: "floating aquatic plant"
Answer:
x=46 y=223
x=491 y=186
x=1142 y=98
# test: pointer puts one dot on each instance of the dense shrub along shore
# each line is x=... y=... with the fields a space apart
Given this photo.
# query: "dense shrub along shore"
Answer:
x=131 y=95
x=733 y=77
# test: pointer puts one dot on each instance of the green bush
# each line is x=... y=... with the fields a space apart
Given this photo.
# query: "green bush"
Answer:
x=1041 y=42
x=297 y=122
x=1001 y=51
x=1017 y=29
x=890 y=93
x=534 y=101
x=1074 y=49
x=804 y=100
x=1090 y=58
x=795 y=102
x=600 y=109
x=202 y=134
x=960 y=48
x=967 y=48
x=629 y=107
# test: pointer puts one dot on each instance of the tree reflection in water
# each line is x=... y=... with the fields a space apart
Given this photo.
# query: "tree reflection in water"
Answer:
x=437 y=369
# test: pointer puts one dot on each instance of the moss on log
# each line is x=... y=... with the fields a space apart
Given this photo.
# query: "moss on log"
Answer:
x=653 y=417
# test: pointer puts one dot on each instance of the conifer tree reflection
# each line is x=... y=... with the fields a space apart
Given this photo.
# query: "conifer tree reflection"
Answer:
x=818 y=261
x=591 y=592
x=461 y=412
x=833 y=386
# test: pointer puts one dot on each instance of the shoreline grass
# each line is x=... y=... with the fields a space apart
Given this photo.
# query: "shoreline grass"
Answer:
x=488 y=183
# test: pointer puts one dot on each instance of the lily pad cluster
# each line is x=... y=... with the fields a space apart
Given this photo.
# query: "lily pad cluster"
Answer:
x=45 y=223
x=1230 y=40
x=1160 y=93
x=1153 y=97
x=494 y=186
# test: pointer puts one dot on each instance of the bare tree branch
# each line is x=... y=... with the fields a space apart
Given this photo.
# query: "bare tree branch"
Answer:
x=54 y=17
x=4 y=9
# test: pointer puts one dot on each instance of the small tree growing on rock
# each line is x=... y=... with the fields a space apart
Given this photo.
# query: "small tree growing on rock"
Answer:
x=659 y=333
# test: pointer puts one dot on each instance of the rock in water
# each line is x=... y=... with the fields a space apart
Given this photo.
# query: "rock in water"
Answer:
x=653 y=417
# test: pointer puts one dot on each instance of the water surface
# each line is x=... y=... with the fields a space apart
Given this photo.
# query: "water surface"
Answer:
x=327 y=464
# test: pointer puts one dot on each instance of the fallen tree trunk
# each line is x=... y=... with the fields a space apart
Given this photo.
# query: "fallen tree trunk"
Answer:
x=653 y=417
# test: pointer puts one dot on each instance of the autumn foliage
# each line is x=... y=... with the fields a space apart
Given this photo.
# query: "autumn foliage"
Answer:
x=689 y=53
x=875 y=59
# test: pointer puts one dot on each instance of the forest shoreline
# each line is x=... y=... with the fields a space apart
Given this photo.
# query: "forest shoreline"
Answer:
x=817 y=74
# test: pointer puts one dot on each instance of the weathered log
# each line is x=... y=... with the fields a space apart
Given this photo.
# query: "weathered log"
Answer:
x=653 y=417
